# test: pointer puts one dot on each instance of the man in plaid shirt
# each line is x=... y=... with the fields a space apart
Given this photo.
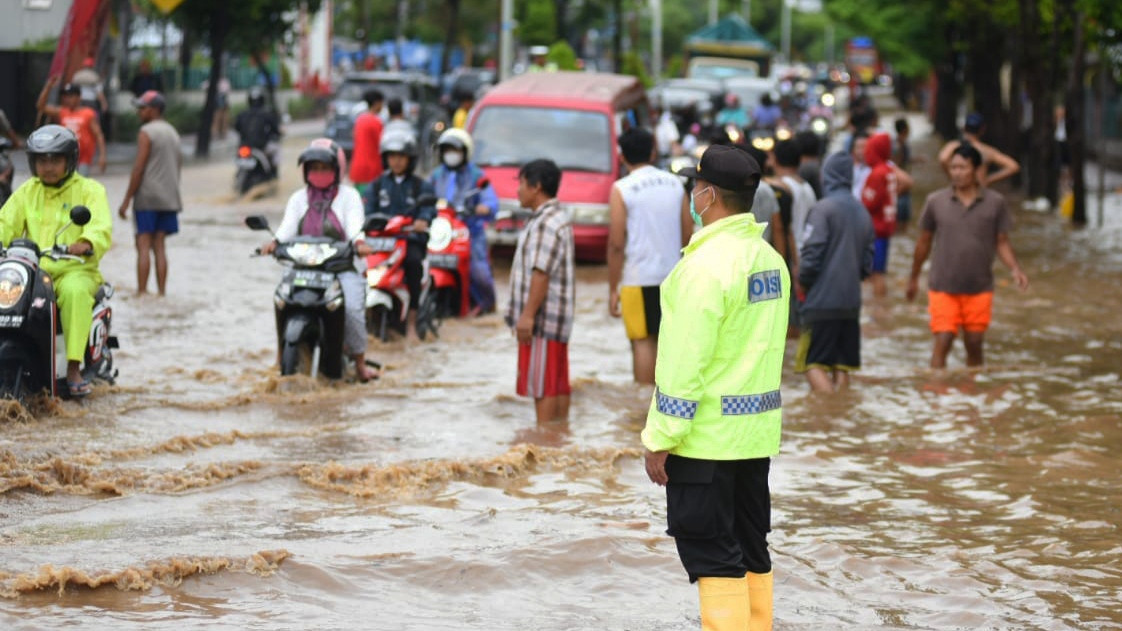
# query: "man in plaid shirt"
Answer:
x=542 y=293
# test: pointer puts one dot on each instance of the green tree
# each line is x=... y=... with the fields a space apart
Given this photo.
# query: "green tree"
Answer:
x=539 y=25
x=249 y=26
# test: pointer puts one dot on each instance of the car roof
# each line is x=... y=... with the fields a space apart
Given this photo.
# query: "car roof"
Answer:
x=601 y=87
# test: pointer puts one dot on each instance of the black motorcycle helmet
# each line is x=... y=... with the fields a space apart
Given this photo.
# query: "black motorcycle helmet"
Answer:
x=323 y=150
x=53 y=139
x=256 y=96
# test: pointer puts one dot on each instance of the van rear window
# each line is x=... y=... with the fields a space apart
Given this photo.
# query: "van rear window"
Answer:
x=512 y=136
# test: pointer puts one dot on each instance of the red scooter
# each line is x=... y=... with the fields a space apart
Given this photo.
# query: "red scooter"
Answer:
x=450 y=254
x=387 y=295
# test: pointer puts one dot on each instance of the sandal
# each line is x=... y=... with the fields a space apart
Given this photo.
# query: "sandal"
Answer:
x=79 y=389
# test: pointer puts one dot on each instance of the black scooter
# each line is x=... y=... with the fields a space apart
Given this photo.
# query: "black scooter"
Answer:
x=32 y=349
x=309 y=302
x=254 y=167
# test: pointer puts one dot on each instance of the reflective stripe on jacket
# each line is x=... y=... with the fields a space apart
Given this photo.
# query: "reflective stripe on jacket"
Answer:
x=720 y=347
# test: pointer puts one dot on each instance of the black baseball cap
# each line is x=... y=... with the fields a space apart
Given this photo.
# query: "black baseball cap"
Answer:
x=70 y=88
x=726 y=167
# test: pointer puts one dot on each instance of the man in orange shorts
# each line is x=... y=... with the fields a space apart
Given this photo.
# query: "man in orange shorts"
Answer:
x=542 y=292
x=969 y=226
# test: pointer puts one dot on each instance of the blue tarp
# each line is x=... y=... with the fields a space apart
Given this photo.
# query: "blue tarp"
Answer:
x=414 y=55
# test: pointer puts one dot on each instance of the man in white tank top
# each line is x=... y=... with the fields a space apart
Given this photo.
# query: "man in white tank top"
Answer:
x=788 y=155
x=650 y=225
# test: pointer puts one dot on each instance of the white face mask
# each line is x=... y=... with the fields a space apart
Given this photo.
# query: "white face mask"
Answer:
x=452 y=159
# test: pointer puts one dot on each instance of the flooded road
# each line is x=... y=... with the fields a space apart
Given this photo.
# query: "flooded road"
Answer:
x=204 y=491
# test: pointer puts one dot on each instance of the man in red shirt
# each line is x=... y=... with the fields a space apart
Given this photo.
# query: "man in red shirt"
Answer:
x=366 y=157
x=78 y=118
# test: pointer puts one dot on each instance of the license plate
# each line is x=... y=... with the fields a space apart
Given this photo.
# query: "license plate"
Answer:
x=312 y=279
x=246 y=163
x=443 y=261
x=11 y=321
x=381 y=244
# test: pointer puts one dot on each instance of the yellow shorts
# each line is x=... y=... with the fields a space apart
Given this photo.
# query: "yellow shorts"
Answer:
x=641 y=311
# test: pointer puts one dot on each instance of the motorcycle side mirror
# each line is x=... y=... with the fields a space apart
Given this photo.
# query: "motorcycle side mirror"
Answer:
x=80 y=215
x=257 y=222
x=374 y=223
x=482 y=183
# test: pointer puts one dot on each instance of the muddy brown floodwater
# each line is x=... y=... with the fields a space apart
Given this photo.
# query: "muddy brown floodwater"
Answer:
x=204 y=491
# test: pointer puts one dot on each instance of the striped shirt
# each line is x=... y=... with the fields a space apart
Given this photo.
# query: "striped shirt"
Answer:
x=546 y=244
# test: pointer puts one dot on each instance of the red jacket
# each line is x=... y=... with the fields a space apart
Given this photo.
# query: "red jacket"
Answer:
x=879 y=194
x=366 y=158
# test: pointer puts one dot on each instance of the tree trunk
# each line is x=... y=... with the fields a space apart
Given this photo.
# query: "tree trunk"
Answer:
x=186 y=47
x=617 y=35
x=986 y=60
x=561 y=22
x=220 y=26
x=947 y=91
x=1038 y=89
x=450 y=34
x=1073 y=117
x=1017 y=111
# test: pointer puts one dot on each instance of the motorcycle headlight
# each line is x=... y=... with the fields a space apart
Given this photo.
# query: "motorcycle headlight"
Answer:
x=828 y=99
x=440 y=234
x=374 y=275
x=13 y=282
x=311 y=254
x=819 y=126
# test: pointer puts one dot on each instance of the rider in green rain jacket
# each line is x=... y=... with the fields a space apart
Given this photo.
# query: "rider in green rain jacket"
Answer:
x=38 y=209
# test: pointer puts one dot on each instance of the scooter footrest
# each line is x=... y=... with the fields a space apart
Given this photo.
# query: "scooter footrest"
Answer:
x=113 y=343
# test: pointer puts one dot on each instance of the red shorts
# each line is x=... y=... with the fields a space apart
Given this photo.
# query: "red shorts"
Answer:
x=951 y=311
x=543 y=369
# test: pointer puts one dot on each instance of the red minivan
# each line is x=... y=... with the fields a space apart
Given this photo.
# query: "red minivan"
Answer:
x=572 y=118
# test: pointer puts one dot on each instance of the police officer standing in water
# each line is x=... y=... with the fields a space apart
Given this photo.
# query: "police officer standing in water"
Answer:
x=714 y=421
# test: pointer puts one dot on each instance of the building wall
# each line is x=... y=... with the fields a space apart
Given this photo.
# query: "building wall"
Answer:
x=28 y=21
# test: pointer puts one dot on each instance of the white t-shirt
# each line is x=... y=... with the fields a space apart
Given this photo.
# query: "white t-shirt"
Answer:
x=347 y=206
x=802 y=198
x=666 y=134
x=653 y=199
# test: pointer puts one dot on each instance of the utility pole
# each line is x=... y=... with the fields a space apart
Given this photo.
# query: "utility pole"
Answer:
x=712 y=11
x=746 y=9
x=785 y=31
x=656 y=39
x=506 y=39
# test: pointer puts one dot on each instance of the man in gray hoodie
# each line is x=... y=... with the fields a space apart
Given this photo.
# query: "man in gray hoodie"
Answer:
x=836 y=255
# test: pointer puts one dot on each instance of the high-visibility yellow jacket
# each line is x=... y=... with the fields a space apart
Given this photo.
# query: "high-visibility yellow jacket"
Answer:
x=39 y=211
x=720 y=347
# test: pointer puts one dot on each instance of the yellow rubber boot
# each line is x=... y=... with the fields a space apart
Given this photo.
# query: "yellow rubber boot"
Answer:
x=724 y=605
x=760 y=598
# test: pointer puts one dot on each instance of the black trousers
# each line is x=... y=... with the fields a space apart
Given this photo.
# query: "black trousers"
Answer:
x=719 y=513
x=415 y=250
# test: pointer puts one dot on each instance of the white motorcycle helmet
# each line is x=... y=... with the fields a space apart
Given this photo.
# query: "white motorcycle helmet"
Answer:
x=455 y=142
